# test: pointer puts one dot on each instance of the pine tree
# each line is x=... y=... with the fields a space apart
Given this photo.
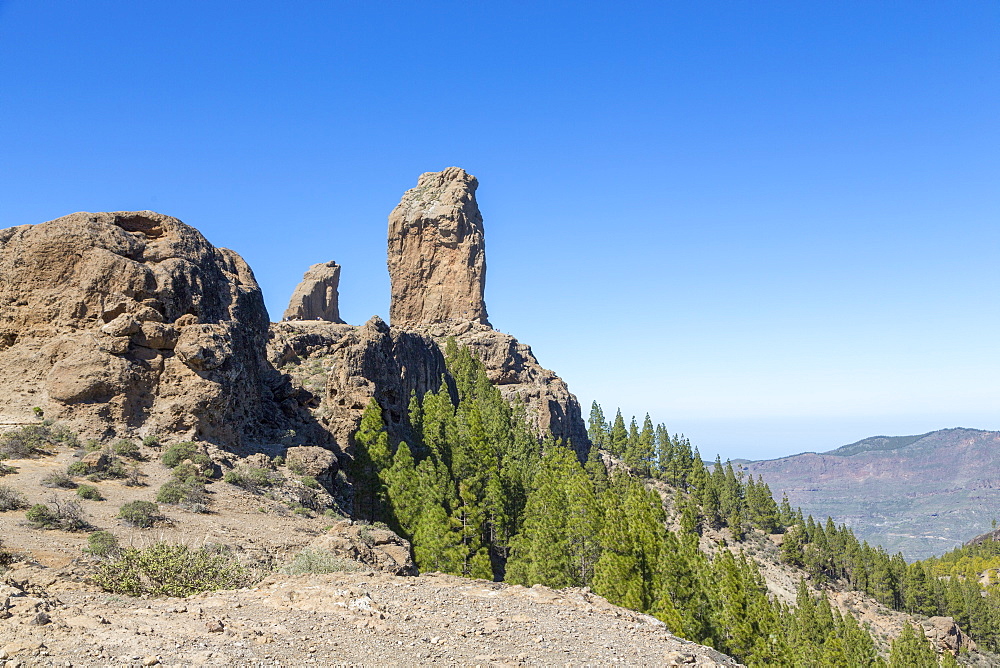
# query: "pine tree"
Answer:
x=912 y=650
x=664 y=454
x=597 y=427
x=372 y=456
x=618 y=437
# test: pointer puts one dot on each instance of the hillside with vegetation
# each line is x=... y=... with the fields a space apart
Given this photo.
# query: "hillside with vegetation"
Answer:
x=919 y=495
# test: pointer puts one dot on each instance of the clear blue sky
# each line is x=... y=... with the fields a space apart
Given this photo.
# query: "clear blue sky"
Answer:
x=772 y=225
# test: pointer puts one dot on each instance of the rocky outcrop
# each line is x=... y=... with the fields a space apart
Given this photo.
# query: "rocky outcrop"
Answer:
x=316 y=297
x=514 y=369
x=132 y=322
x=944 y=633
x=437 y=254
x=372 y=546
x=343 y=367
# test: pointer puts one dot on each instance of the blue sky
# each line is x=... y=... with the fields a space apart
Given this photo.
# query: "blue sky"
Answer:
x=771 y=225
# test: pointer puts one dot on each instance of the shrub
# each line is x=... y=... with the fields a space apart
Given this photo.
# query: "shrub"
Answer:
x=92 y=445
x=11 y=499
x=179 y=452
x=151 y=441
x=141 y=514
x=188 y=472
x=126 y=448
x=102 y=544
x=89 y=492
x=65 y=515
x=169 y=570
x=4 y=468
x=58 y=480
x=40 y=516
x=251 y=478
x=183 y=493
x=133 y=477
x=310 y=482
x=36 y=439
x=319 y=562
x=278 y=461
x=77 y=469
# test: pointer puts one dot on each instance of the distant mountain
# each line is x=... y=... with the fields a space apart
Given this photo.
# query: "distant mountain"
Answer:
x=921 y=495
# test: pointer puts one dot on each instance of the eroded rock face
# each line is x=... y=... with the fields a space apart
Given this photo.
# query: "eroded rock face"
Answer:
x=437 y=254
x=316 y=297
x=132 y=322
x=343 y=367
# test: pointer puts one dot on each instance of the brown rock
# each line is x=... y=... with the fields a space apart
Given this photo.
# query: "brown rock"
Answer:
x=944 y=633
x=367 y=544
x=316 y=297
x=310 y=460
x=437 y=253
x=133 y=323
x=215 y=626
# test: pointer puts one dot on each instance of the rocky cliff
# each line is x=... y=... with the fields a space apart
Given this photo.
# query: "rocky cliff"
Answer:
x=437 y=253
x=133 y=323
x=317 y=296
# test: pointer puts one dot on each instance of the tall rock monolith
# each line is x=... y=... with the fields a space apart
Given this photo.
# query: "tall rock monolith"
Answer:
x=317 y=297
x=437 y=254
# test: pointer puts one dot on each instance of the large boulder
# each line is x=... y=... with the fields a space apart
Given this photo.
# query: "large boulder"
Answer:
x=132 y=322
x=437 y=252
x=317 y=296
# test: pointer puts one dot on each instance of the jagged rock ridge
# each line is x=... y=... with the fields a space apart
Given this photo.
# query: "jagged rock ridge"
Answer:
x=317 y=297
x=437 y=252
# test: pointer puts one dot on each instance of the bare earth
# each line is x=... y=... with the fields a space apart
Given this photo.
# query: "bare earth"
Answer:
x=359 y=618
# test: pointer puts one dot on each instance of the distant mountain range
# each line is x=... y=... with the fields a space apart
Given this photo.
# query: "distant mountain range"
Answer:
x=919 y=495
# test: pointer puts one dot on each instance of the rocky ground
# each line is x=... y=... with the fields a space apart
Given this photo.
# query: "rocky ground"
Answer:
x=51 y=614
x=364 y=618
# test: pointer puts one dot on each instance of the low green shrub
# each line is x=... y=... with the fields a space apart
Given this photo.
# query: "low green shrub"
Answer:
x=188 y=472
x=11 y=499
x=58 y=479
x=278 y=461
x=36 y=439
x=151 y=441
x=126 y=448
x=164 y=569
x=65 y=515
x=180 y=452
x=140 y=514
x=251 y=478
x=183 y=493
x=310 y=482
x=89 y=492
x=77 y=469
x=319 y=562
x=102 y=544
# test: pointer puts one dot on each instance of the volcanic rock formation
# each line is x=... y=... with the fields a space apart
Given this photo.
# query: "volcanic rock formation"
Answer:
x=437 y=254
x=437 y=265
x=133 y=323
x=316 y=297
